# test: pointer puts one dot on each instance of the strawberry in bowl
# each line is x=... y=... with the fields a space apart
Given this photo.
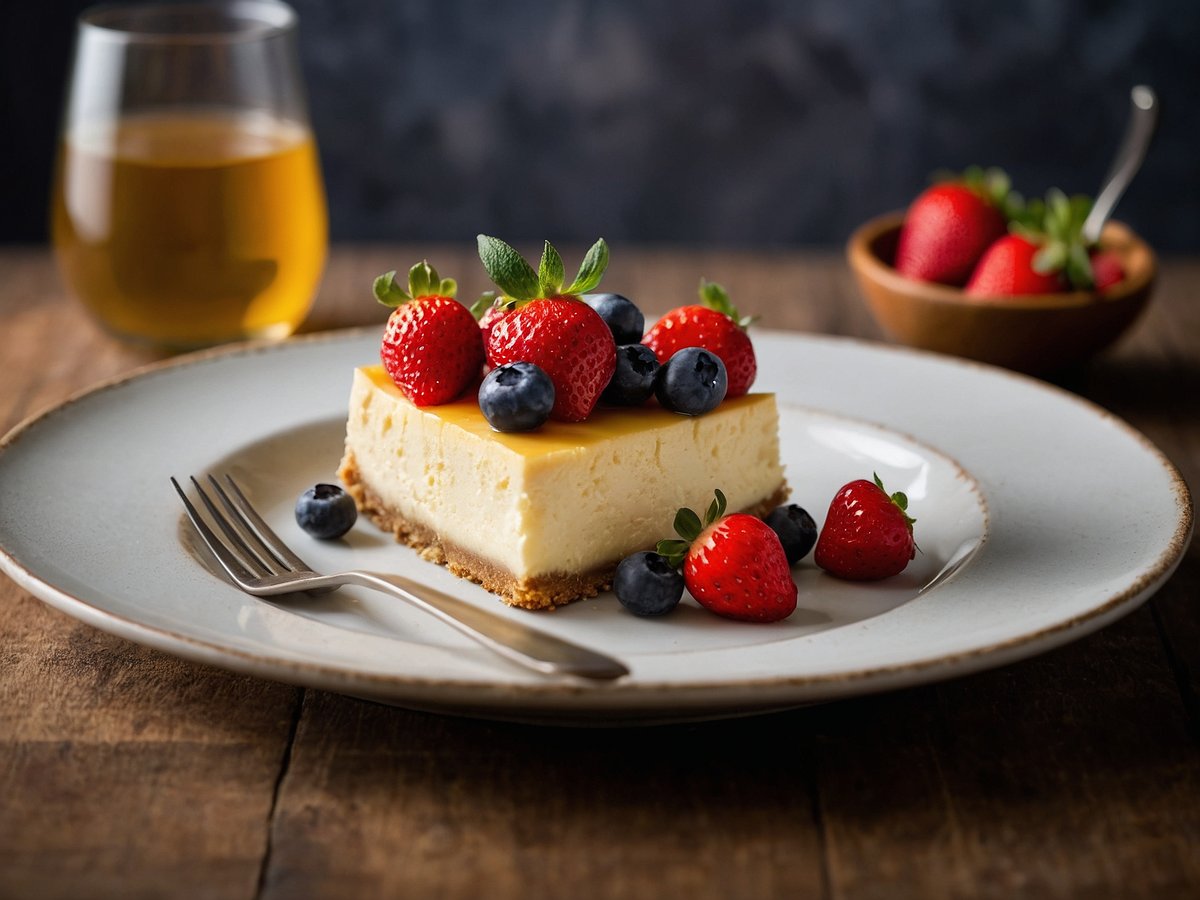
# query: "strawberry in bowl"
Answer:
x=1037 y=297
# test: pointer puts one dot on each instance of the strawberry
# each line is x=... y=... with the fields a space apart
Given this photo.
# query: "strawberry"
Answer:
x=1007 y=269
x=867 y=534
x=949 y=225
x=550 y=326
x=431 y=345
x=1107 y=269
x=734 y=565
x=488 y=310
x=713 y=324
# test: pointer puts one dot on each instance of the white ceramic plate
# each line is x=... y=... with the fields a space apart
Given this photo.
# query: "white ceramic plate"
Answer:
x=1055 y=517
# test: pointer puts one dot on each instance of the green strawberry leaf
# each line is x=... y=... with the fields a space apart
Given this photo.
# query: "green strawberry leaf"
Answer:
x=714 y=296
x=1079 y=268
x=716 y=509
x=507 y=268
x=485 y=302
x=591 y=270
x=550 y=272
x=1051 y=258
x=674 y=551
x=687 y=524
x=388 y=292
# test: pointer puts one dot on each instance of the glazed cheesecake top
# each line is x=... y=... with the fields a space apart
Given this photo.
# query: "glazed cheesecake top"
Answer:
x=605 y=424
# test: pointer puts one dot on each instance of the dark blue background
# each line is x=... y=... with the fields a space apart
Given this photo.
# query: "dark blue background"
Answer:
x=736 y=123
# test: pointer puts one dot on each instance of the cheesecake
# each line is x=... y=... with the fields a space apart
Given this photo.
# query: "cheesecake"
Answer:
x=542 y=518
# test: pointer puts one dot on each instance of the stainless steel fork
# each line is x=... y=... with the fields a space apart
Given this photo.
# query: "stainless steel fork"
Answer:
x=260 y=563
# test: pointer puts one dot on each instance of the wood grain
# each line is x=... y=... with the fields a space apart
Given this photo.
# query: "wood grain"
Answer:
x=128 y=773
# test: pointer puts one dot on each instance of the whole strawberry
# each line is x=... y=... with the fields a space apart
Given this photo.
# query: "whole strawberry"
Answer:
x=734 y=565
x=431 y=345
x=1008 y=269
x=948 y=227
x=1107 y=269
x=550 y=326
x=867 y=534
x=713 y=324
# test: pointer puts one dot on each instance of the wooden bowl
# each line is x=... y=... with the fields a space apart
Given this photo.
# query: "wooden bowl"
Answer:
x=1036 y=334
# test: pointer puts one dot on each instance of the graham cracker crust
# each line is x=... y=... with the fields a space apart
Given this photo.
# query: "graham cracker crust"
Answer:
x=540 y=592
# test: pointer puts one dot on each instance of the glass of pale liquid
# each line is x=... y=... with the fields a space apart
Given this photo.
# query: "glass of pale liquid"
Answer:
x=188 y=204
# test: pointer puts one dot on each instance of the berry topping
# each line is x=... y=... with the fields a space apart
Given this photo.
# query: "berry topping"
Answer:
x=796 y=530
x=516 y=397
x=867 y=534
x=733 y=565
x=692 y=382
x=633 y=381
x=647 y=585
x=1107 y=269
x=713 y=324
x=623 y=318
x=326 y=511
x=431 y=348
x=550 y=326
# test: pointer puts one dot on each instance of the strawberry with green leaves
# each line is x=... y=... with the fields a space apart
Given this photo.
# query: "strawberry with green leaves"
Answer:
x=734 y=565
x=867 y=535
x=548 y=325
x=950 y=225
x=431 y=345
x=715 y=325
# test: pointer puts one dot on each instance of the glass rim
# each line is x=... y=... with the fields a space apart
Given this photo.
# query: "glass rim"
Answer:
x=250 y=20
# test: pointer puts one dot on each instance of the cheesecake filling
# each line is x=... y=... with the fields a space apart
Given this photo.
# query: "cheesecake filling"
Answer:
x=564 y=501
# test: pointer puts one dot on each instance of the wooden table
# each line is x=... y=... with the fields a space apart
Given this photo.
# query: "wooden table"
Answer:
x=128 y=773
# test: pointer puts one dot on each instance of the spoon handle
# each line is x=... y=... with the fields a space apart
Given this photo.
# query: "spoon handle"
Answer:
x=1143 y=118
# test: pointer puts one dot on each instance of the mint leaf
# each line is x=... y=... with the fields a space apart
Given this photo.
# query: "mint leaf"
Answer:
x=388 y=292
x=550 y=272
x=507 y=268
x=687 y=524
x=591 y=270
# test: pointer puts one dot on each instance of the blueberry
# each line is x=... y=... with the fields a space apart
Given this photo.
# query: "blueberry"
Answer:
x=620 y=315
x=693 y=381
x=516 y=397
x=326 y=511
x=633 y=379
x=646 y=584
x=796 y=529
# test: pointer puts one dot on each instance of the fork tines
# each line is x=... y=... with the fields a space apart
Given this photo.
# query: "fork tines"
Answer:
x=250 y=549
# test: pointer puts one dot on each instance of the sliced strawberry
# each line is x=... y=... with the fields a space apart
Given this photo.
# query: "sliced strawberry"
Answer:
x=867 y=534
x=431 y=346
x=715 y=325
x=734 y=565
x=550 y=326
x=1007 y=269
x=948 y=227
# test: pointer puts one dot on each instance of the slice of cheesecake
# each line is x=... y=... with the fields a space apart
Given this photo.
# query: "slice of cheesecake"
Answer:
x=543 y=518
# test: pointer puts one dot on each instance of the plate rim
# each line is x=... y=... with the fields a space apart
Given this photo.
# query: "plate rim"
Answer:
x=508 y=694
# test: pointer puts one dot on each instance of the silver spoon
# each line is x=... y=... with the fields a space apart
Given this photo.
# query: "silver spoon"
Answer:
x=1143 y=118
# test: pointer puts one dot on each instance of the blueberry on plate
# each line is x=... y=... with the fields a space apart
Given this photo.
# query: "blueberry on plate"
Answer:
x=796 y=529
x=633 y=379
x=646 y=584
x=620 y=314
x=516 y=396
x=693 y=381
x=326 y=511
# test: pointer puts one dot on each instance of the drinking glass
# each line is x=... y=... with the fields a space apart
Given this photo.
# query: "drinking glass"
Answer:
x=188 y=206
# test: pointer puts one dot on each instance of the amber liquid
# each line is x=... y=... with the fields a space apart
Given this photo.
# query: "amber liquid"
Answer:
x=183 y=231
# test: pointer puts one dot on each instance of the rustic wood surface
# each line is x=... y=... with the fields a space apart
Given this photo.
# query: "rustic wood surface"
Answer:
x=128 y=773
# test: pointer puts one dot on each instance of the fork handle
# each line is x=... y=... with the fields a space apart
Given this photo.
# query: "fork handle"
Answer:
x=513 y=640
